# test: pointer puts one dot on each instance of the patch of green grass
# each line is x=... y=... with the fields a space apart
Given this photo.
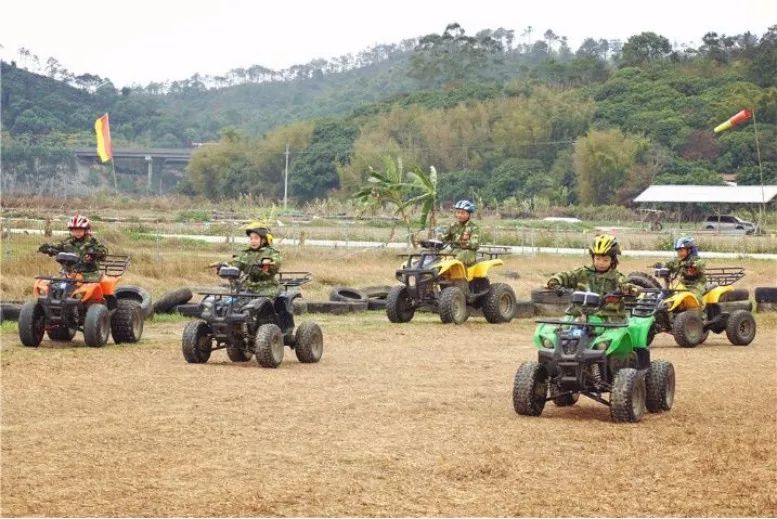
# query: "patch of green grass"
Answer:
x=9 y=327
x=192 y=215
x=169 y=318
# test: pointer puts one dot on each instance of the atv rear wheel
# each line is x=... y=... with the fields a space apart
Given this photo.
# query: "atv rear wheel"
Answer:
x=238 y=354
x=499 y=303
x=399 y=307
x=127 y=321
x=61 y=333
x=97 y=325
x=32 y=324
x=530 y=388
x=688 y=329
x=627 y=398
x=453 y=306
x=269 y=346
x=309 y=342
x=196 y=342
x=740 y=328
x=660 y=386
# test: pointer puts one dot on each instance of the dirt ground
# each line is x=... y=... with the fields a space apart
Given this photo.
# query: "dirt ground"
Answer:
x=396 y=420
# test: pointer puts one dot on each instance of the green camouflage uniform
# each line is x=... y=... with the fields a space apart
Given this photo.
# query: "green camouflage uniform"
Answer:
x=693 y=282
x=88 y=245
x=259 y=281
x=587 y=278
x=465 y=240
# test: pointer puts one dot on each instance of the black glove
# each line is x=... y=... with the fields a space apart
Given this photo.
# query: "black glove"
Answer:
x=552 y=283
x=658 y=265
x=46 y=249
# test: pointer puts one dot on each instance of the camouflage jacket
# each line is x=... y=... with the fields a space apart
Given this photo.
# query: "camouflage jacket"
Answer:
x=464 y=239
x=587 y=278
x=257 y=280
x=690 y=271
x=87 y=246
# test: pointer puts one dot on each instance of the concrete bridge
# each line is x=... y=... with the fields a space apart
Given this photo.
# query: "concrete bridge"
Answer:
x=160 y=156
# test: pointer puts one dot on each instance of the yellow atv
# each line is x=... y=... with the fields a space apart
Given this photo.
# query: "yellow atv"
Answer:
x=439 y=282
x=690 y=319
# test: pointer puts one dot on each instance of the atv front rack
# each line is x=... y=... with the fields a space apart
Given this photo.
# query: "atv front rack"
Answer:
x=724 y=276
x=294 y=279
x=114 y=266
x=581 y=323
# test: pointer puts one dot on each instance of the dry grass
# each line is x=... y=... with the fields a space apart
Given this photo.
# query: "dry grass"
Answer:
x=396 y=420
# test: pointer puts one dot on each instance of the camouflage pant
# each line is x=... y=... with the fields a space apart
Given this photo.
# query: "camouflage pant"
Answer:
x=263 y=289
x=466 y=256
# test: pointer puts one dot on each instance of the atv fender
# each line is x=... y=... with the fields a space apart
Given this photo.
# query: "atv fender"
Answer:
x=682 y=301
x=481 y=268
x=619 y=341
x=714 y=295
x=452 y=269
x=639 y=329
x=89 y=292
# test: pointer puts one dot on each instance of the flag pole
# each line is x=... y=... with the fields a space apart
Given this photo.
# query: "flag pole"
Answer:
x=760 y=170
x=113 y=168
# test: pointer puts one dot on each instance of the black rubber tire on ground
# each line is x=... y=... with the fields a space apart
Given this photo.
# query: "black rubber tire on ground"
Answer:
x=376 y=304
x=299 y=306
x=196 y=342
x=32 y=324
x=346 y=294
x=269 y=346
x=524 y=309
x=9 y=312
x=643 y=279
x=628 y=396
x=688 y=329
x=659 y=385
x=127 y=321
x=398 y=305
x=499 y=304
x=550 y=297
x=376 y=292
x=766 y=295
x=169 y=300
x=237 y=354
x=61 y=333
x=139 y=294
x=739 y=294
x=97 y=325
x=453 y=306
x=740 y=328
x=565 y=400
x=530 y=388
x=329 y=307
x=549 y=310
x=309 y=342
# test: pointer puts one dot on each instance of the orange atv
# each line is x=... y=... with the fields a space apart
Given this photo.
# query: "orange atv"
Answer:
x=68 y=303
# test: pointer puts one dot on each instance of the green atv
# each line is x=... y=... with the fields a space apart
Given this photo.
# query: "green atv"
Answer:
x=584 y=353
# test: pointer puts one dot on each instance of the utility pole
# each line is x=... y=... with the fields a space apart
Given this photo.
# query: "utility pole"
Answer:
x=286 y=177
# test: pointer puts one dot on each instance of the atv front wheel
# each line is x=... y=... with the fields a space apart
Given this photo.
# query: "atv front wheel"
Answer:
x=453 y=306
x=309 y=342
x=688 y=329
x=196 y=342
x=269 y=346
x=127 y=321
x=399 y=307
x=628 y=395
x=530 y=388
x=499 y=303
x=740 y=328
x=97 y=325
x=660 y=386
x=32 y=324
x=61 y=333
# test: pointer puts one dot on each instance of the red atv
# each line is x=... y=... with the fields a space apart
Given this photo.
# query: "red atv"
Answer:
x=67 y=303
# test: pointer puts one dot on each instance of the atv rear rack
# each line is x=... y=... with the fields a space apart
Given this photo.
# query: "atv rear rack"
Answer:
x=114 y=266
x=724 y=276
x=294 y=279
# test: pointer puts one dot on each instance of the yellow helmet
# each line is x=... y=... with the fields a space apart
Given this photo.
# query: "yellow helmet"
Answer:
x=605 y=245
x=261 y=229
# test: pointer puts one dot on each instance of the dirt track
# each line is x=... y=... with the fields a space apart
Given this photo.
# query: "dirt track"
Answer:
x=410 y=420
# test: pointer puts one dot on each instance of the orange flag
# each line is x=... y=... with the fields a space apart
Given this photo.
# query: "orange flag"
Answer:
x=736 y=120
x=103 y=130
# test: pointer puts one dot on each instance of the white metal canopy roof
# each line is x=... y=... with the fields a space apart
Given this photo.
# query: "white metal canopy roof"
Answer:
x=716 y=194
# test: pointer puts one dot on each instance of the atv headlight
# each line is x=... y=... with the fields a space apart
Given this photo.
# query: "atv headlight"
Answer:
x=602 y=346
x=547 y=343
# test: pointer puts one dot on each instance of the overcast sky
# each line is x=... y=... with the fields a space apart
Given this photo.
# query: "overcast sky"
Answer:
x=144 y=40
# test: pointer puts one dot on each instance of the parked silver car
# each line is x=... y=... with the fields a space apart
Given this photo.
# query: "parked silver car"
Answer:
x=728 y=223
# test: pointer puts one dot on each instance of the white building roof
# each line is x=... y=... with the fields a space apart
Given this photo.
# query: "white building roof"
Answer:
x=715 y=194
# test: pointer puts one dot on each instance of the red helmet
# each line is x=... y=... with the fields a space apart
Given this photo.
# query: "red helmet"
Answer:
x=79 y=222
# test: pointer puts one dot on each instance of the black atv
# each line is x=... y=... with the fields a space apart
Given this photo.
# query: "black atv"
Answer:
x=437 y=281
x=248 y=324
